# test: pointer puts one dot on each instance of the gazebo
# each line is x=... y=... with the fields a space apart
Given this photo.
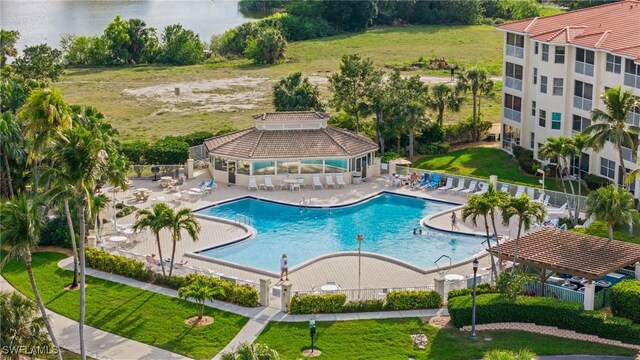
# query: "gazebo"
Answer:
x=296 y=144
x=568 y=252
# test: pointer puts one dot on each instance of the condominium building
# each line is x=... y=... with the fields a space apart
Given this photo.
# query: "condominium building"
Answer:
x=555 y=70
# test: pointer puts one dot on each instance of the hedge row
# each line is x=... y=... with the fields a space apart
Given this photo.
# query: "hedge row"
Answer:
x=625 y=299
x=243 y=295
x=337 y=303
x=483 y=288
x=493 y=308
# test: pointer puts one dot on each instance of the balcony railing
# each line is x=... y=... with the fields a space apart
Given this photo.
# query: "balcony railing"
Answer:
x=633 y=118
x=513 y=83
x=511 y=114
x=632 y=80
x=582 y=103
x=515 y=51
x=584 y=68
x=629 y=155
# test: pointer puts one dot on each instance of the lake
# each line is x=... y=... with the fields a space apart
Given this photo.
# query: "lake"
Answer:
x=46 y=21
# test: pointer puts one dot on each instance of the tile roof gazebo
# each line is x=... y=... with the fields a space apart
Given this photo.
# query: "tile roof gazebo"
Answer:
x=292 y=143
x=569 y=252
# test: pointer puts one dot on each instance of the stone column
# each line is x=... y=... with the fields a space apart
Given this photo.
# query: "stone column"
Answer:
x=265 y=292
x=285 y=295
x=189 y=168
x=493 y=179
x=589 y=295
x=439 y=287
x=392 y=168
x=638 y=270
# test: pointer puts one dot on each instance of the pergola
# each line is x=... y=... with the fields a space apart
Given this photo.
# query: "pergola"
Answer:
x=553 y=250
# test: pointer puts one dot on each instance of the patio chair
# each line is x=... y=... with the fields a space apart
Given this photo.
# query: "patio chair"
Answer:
x=268 y=183
x=315 y=182
x=540 y=199
x=434 y=183
x=424 y=181
x=448 y=185
x=505 y=188
x=340 y=181
x=484 y=187
x=210 y=186
x=460 y=186
x=328 y=178
x=520 y=191
x=252 y=183
x=531 y=192
x=471 y=188
x=175 y=186
x=558 y=211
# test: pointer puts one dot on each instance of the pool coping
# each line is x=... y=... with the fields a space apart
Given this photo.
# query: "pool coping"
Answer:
x=251 y=232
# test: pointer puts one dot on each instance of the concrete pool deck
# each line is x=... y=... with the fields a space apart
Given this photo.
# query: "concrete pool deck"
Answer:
x=343 y=269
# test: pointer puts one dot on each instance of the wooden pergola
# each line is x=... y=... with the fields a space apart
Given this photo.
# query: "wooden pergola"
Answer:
x=567 y=252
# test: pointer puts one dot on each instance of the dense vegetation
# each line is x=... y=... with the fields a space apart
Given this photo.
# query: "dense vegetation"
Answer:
x=337 y=303
x=625 y=300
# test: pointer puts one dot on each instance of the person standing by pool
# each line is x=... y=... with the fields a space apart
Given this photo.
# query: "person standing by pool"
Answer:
x=284 y=267
x=454 y=221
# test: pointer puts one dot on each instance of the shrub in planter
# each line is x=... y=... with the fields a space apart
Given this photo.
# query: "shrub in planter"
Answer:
x=625 y=299
x=480 y=289
x=516 y=150
x=364 y=305
x=120 y=265
x=412 y=300
x=313 y=304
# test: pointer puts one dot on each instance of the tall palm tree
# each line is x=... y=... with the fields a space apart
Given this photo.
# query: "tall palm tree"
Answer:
x=479 y=206
x=580 y=144
x=559 y=149
x=19 y=231
x=155 y=219
x=613 y=206
x=474 y=80
x=183 y=219
x=444 y=96
x=526 y=210
x=11 y=145
x=496 y=199
x=21 y=326
x=414 y=117
x=610 y=124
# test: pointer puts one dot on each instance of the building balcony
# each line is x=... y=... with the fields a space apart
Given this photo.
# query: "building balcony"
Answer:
x=584 y=68
x=632 y=80
x=513 y=83
x=515 y=51
x=582 y=103
x=512 y=114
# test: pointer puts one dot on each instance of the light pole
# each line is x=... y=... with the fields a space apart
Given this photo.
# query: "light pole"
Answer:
x=473 y=309
x=540 y=171
x=312 y=331
x=359 y=237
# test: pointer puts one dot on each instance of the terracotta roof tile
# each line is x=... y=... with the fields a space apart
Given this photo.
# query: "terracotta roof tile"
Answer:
x=293 y=116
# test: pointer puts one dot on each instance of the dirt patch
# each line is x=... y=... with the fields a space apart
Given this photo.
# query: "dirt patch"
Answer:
x=56 y=249
x=438 y=321
x=194 y=322
x=77 y=288
x=308 y=353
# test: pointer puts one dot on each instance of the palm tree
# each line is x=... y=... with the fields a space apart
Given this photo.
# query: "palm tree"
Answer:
x=443 y=96
x=11 y=145
x=20 y=324
x=610 y=125
x=497 y=199
x=479 y=206
x=526 y=210
x=580 y=144
x=19 y=231
x=183 y=219
x=559 y=149
x=613 y=206
x=414 y=117
x=156 y=219
x=200 y=292
x=474 y=80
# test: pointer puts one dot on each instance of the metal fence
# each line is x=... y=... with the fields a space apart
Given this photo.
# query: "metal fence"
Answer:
x=198 y=152
x=366 y=294
x=144 y=171
x=556 y=199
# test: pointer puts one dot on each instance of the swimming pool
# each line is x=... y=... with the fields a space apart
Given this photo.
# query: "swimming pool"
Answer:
x=386 y=221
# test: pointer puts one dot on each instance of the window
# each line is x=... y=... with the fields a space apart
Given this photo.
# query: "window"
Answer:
x=607 y=168
x=311 y=166
x=513 y=76
x=264 y=167
x=580 y=123
x=515 y=45
x=337 y=165
x=633 y=118
x=510 y=136
x=558 y=83
x=631 y=73
x=542 y=118
x=535 y=47
x=532 y=143
x=512 y=107
x=535 y=76
x=533 y=108
x=583 y=95
x=243 y=167
x=614 y=63
x=629 y=155
x=556 y=120
x=543 y=84
x=559 y=58
x=584 y=61
x=220 y=164
x=287 y=167
x=545 y=52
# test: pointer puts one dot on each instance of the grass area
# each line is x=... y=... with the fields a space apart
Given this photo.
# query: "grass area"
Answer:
x=483 y=162
x=134 y=313
x=620 y=231
x=390 y=339
x=151 y=119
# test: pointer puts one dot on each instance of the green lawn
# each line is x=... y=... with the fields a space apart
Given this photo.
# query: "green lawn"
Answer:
x=483 y=162
x=390 y=339
x=137 y=314
x=150 y=119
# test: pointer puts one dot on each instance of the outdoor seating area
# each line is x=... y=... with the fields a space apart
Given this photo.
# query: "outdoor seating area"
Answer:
x=331 y=181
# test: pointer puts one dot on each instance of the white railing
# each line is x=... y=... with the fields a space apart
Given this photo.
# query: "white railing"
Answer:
x=632 y=80
x=365 y=294
x=584 y=68
x=513 y=83
x=556 y=292
x=633 y=118
x=511 y=114
x=198 y=152
x=582 y=103
x=516 y=51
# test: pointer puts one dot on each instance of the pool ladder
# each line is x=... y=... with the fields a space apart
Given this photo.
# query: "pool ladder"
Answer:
x=243 y=219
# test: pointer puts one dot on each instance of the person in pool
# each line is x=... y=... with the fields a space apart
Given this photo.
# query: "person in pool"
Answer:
x=284 y=268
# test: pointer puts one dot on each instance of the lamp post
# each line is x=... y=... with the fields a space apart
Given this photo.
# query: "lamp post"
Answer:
x=473 y=309
x=359 y=237
x=312 y=331
x=540 y=171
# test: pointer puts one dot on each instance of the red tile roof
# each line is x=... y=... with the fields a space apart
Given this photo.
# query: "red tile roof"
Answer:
x=293 y=116
x=613 y=27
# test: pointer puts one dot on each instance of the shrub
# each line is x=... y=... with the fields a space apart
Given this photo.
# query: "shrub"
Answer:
x=102 y=260
x=135 y=151
x=601 y=229
x=412 y=300
x=168 y=151
x=595 y=182
x=55 y=232
x=494 y=308
x=510 y=283
x=266 y=47
x=431 y=133
x=433 y=148
x=625 y=300
x=388 y=156
x=480 y=289
x=364 y=305
x=194 y=138
x=297 y=28
x=462 y=132
x=313 y=304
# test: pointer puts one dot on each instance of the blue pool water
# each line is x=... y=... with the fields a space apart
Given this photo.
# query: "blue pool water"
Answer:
x=387 y=222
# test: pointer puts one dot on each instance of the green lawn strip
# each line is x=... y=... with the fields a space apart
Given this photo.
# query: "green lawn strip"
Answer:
x=127 y=311
x=390 y=339
x=483 y=162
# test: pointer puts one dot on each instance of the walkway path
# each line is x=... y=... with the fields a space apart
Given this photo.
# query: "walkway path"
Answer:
x=100 y=344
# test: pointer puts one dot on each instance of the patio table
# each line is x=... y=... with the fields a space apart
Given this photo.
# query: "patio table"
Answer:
x=290 y=182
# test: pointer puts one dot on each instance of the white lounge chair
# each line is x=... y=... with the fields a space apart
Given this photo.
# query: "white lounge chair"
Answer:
x=520 y=191
x=471 y=188
x=460 y=186
x=531 y=192
x=340 y=181
x=557 y=211
x=448 y=185
x=252 y=183
x=316 y=182
x=484 y=187
x=505 y=188
x=540 y=199
x=328 y=178
x=268 y=183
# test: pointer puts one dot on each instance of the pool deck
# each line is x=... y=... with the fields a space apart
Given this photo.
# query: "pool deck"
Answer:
x=343 y=270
